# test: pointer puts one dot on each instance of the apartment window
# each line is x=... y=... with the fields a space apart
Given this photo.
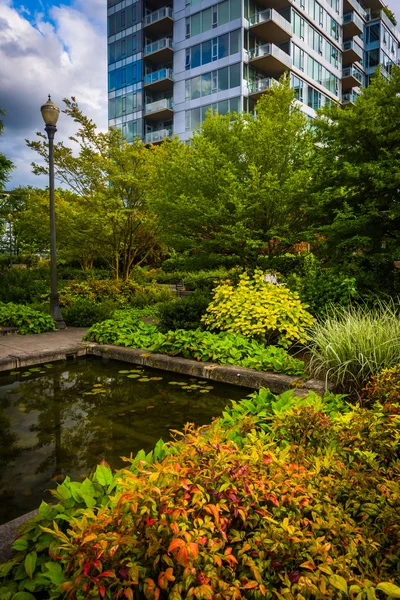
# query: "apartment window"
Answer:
x=215 y=49
x=298 y=57
x=314 y=98
x=206 y=52
x=196 y=88
x=195 y=24
x=223 y=79
x=223 y=13
x=234 y=38
x=234 y=105
x=206 y=84
x=234 y=75
x=206 y=20
x=212 y=50
x=188 y=27
x=214 y=16
x=235 y=7
x=298 y=87
x=187 y=117
x=214 y=81
x=195 y=56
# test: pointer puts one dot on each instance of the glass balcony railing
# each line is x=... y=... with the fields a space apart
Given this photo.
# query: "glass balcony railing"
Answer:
x=157 y=136
x=269 y=14
x=270 y=50
x=164 y=104
x=157 y=75
x=350 y=97
x=260 y=85
x=353 y=72
x=158 y=45
x=352 y=17
x=161 y=13
x=352 y=45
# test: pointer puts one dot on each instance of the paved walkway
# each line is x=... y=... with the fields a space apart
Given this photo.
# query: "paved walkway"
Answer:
x=20 y=350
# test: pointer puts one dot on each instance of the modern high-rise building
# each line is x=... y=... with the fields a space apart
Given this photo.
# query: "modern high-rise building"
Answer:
x=169 y=63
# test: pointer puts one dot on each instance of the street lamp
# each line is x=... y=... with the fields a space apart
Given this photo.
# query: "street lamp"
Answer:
x=50 y=113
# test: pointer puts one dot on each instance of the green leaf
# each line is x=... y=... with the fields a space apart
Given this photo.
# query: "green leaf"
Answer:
x=390 y=589
x=54 y=572
x=30 y=563
x=339 y=583
x=20 y=545
x=45 y=511
x=23 y=596
x=103 y=475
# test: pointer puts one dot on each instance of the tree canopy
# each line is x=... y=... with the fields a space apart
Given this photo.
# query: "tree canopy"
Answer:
x=239 y=186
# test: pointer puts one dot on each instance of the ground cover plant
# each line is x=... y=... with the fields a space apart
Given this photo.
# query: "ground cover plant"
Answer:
x=296 y=499
x=259 y=310
x=25 y=318
x=350 y=345
x=222 y=348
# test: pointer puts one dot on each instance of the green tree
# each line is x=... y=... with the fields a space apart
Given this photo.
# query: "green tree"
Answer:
x=240 y=185
x=110 y=178
x=6 y=166
x=355 y=204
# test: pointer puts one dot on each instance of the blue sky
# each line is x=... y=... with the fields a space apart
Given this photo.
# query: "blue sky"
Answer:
x=57 y=47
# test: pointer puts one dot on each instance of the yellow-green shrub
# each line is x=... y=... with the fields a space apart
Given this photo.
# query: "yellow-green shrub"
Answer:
x=259 y=310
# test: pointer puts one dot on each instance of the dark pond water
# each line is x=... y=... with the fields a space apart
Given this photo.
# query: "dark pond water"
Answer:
x=62 y=419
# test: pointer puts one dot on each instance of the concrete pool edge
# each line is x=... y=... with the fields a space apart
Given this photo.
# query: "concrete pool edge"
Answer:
x=231 y=374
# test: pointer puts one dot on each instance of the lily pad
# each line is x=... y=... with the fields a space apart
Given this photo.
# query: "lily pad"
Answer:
x=150 y=407
x=204 y=391
x=209 y=387
x=48 y=366
x=25 y=374
x=124 y=371
x=155 y=378
x=181 y=383
x=173 y=383
x=144 y=379
x=133 y=376
x=15 y=372
x=136 y=371
x=35 y=369
x=186 y=387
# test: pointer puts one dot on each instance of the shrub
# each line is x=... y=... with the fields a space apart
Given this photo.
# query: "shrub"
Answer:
x=185 y=313
x=223 y=348
x=291 y=512
x=351 y=345
x=124 y=293
x=324 y=290
x=259 y=310
x=85 y=313
x=24 y=286
x=26 y=319
x=385 y=387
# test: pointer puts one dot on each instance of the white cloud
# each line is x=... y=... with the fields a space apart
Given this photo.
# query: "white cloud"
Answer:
x=63 y=54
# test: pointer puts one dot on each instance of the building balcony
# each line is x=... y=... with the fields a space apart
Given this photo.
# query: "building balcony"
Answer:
x=270 y=26
x=160 y=51
x=349 y=98
x=159 y=81
x=352 y=52
x=259 y=86
x=352 y=25
x=270 y=60
x=161 y=110
x=352 y=77
x=350 y=5
x=156 y=137
x=160 y=21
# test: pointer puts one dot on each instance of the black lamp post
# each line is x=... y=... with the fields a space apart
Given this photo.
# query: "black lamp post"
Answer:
x=50 y=113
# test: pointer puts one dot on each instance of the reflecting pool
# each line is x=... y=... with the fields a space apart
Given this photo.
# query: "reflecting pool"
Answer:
x=63 y=418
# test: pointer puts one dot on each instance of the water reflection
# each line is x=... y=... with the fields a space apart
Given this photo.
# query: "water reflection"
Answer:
x=64 y=419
